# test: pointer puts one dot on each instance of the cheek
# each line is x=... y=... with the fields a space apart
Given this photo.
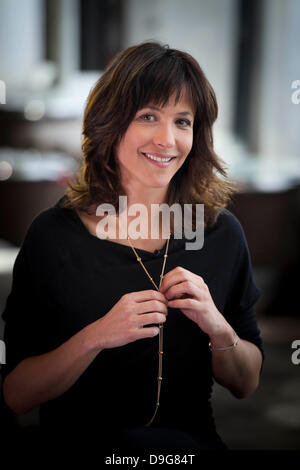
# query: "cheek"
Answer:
x=132 y=142
x=187 y=144
x=124 y=150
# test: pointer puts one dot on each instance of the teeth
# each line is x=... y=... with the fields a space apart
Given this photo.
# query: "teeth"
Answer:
x=158 y=159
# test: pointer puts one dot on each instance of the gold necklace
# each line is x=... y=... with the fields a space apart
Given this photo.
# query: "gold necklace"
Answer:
x=161 y=326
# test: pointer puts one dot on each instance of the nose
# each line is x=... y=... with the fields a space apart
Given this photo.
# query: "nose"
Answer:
x=164 y=136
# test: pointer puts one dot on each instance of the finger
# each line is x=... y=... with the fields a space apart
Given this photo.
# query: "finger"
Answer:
x=150 y=318
x=186 y=304
x=147 y=332
x=150 y=294
x=185 y=287
x=152 y=306
x=181 y=275
x=173 y=277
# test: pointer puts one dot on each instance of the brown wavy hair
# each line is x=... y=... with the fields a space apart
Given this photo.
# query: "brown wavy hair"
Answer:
x=143 y=74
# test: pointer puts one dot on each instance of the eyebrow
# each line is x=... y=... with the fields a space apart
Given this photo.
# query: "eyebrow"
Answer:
x=182 y=113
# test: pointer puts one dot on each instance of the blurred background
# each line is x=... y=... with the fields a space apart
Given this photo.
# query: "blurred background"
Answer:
x=53 y=51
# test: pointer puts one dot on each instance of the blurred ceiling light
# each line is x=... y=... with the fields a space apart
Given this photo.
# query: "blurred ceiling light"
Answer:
x=34 y=110
x=6 y=170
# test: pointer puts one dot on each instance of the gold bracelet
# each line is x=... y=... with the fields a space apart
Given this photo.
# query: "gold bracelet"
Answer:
x=233 y=345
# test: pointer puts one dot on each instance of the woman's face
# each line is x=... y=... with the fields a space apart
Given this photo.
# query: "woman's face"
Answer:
x=156 y=143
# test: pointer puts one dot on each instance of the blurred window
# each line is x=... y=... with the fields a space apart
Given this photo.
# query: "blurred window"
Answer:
x=248 y=64
x=101 y=32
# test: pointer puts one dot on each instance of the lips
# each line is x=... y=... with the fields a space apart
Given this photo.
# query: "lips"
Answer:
x=154 y=159
x=158 y=157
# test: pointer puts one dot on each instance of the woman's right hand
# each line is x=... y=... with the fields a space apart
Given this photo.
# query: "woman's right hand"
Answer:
x=38 y=379
x=124 y=323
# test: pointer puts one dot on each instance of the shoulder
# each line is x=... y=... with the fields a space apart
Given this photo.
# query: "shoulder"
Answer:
x=227 y=235
x=228 y=225
x=48 y=218
x=48 y=226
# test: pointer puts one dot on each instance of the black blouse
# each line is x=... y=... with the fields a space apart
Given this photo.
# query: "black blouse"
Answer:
x=64 y=278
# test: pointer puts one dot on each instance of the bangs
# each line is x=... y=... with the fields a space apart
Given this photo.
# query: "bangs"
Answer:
x=161 y=80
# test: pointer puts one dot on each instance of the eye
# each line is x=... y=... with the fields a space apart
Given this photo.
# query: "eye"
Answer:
x=147 y=117
x=184 y=122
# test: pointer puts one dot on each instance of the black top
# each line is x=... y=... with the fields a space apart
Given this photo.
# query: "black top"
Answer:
x=65 y=278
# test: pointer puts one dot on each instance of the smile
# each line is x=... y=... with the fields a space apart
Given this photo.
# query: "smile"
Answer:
x=158 y=159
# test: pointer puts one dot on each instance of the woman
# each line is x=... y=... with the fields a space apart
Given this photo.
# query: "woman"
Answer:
x=87 y=315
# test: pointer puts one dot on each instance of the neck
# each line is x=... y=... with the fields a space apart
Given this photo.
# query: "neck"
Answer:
x=150 y=199
x=146 y=196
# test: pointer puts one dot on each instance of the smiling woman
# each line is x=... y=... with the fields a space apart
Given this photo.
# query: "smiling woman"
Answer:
x=159 y=137
x=156 y=101
x=119 y=340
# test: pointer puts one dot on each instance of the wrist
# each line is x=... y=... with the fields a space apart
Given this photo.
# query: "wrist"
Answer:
x=92 y=338
x=224 y=339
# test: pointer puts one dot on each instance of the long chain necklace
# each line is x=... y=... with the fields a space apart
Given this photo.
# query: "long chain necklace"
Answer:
x=161 y=326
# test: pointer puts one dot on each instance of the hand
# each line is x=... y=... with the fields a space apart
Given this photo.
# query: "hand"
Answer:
x=124 y=323
x=189 y=293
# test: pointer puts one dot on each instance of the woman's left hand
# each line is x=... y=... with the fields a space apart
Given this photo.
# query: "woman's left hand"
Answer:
x=189 y=293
